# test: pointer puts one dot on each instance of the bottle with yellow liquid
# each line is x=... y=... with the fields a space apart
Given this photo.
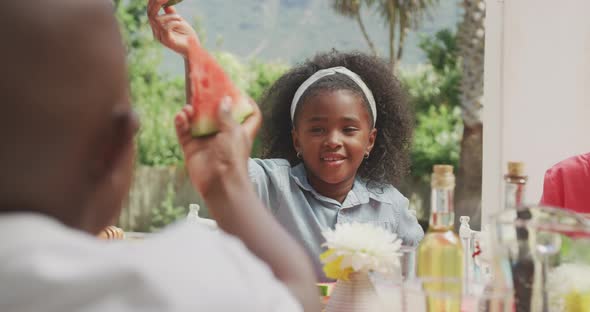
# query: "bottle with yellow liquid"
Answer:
x=440 y=255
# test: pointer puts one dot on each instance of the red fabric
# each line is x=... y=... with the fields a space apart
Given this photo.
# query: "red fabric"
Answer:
x=567 y=184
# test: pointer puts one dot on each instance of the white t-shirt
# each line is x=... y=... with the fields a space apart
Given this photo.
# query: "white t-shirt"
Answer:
x=45 y=266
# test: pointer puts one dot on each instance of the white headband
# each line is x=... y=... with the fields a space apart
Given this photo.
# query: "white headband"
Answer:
x=331 y=71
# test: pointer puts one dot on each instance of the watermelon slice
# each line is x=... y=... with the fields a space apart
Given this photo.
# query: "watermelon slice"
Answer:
x=209 y=85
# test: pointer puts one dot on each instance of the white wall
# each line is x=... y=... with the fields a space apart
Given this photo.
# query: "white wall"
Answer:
x=537 y=89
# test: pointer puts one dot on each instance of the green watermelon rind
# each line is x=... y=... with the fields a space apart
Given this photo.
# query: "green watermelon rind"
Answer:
x=171 y=3
x=204 y=127
x=325 y=289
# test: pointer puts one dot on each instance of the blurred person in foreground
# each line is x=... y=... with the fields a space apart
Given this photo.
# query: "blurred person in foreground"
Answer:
x=66 y=161
x=567 y=184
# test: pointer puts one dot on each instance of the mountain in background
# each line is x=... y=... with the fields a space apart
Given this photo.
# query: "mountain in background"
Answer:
x=289 y=31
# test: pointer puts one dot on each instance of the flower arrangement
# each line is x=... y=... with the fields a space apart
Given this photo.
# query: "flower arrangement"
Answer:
x=568 y=284
x=356 y=247
x=569 y=287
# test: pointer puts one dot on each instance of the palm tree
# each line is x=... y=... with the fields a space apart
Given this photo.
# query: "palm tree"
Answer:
x=402 y=15
x=398 y=15
x=470 y=37
x=351 y=8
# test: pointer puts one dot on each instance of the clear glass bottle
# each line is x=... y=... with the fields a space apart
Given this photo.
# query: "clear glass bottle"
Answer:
x=523 y=268
x=193 y=218
x=515 y=185
x=440 y=255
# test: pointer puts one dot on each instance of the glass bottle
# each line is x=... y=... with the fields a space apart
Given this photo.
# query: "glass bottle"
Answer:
x=440 y=255
x=523 y=265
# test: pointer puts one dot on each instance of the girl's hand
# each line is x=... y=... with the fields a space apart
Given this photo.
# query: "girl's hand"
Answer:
x=211 y=159
x=170 y=28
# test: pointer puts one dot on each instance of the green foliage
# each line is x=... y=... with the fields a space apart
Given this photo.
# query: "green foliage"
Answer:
x=436 y=139
x=436 y=83
x=234 y=68
x=264 y=75
x=167 y=213
x=158 y=97
x=252 y=78
x=441 y=50
x=156 y=142
x=434 y=93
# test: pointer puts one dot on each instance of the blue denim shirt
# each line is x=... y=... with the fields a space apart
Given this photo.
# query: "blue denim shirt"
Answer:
x=305 y=213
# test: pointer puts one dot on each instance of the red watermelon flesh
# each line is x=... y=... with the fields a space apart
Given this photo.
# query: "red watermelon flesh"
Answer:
x=209 y=85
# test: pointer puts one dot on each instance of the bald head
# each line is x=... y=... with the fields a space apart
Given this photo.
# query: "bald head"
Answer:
x=63 y=80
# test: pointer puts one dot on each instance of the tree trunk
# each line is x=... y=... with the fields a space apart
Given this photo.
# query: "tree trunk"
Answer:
x=471 y=41
x=366 y=34
x=400 y=46
x=402 y=36
x=468 y=199
x=391 y=14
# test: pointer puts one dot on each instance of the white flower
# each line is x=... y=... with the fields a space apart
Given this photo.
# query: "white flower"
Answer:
x=567 y=279
x=363 y=246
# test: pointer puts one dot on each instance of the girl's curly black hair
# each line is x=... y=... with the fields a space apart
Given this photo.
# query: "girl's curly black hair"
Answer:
x=389 y=159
